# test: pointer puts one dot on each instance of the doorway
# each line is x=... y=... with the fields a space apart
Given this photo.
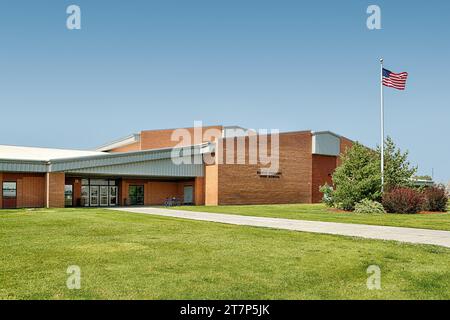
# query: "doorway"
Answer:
x=136 y=195
x=188 y=195
x=68 y=195
x=94 y=196
x=99 y=192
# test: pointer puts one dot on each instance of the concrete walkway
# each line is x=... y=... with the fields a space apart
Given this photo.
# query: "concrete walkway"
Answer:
x=410 y=235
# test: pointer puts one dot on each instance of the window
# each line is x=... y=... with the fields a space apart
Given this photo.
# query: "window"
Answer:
x=68 y=195
x=98 y=182
x=9 y=189
x=136 y=195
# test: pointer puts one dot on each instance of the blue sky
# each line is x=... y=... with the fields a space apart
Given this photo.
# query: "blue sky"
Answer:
x=288 y=65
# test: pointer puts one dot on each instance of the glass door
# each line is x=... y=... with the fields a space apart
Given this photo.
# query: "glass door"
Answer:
x=68 y=195
x=85 y=196
x=94 y=190
x=112 y=196
x=99 y=192
x=104 y=196
x=136 y=195
x=188 y=195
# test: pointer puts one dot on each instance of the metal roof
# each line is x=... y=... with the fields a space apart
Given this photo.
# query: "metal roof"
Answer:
x=146 y=162
x=41 y=154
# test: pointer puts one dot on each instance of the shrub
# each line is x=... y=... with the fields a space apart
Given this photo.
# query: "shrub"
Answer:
x=369 y=206
x=403 y=200
x=397 y=170
x=357 y=178
x=327 y=191
x=435 y=199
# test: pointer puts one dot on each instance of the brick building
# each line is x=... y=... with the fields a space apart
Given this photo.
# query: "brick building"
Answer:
x=217 y=166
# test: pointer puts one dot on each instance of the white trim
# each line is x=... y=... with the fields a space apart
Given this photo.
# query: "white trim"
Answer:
x=120 y=143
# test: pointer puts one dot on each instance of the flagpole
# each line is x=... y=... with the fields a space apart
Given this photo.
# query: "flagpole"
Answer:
x=382 y=126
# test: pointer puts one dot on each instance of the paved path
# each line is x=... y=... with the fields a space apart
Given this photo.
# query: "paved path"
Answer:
x=411 y=235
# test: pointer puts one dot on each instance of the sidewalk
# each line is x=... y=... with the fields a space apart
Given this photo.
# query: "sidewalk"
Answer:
x=410 y=235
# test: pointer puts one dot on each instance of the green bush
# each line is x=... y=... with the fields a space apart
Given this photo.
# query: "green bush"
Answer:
x=359 y=177
x=369 y=206
x=327 y=191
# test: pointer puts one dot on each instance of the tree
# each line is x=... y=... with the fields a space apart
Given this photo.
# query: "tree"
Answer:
x=357 y=178
x=359 y=175
x=397 y=169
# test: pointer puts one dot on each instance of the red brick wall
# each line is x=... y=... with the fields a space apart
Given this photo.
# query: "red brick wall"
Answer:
x=125 y=183
x=211 y=185
x=345 y=144
x=241 y=184
x=56 y=182
x=156 y=192
x=128 y=148
x=157 y=139
x=199 y=191
x=30 y=189
x=322 y=170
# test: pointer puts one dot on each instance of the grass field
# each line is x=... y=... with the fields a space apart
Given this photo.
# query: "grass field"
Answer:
x=319 y=212
x=133 y=256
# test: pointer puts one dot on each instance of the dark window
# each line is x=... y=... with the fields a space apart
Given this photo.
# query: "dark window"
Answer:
x=136 y=195
x=9 y=189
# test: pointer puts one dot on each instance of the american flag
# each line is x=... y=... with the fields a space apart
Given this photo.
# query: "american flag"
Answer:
x=394 y=80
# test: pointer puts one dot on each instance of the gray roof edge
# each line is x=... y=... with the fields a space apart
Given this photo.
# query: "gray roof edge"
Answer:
x=107 y=155
x=326 y=132
x=24 y=161
x=135 y=136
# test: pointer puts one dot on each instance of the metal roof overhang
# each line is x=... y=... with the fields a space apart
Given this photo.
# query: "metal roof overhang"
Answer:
x=169 y=162
x=11 y=165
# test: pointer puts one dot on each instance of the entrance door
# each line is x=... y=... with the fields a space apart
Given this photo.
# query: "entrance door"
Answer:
x=112 y=196
x=68 y=195
x=188 y=194
x=136 y=195
x=104 y=196
x=94 y=190
x=85 y=196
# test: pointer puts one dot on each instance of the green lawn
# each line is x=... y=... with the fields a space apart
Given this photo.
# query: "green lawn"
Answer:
x=319 y=212
x=136 y=256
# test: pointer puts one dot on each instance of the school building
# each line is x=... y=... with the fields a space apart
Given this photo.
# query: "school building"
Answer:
x=150 y=167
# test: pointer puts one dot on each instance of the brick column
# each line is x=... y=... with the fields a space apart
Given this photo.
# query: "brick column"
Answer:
x=199 y=191
x=123 y=192
x=54 y=189
x=212 y=185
